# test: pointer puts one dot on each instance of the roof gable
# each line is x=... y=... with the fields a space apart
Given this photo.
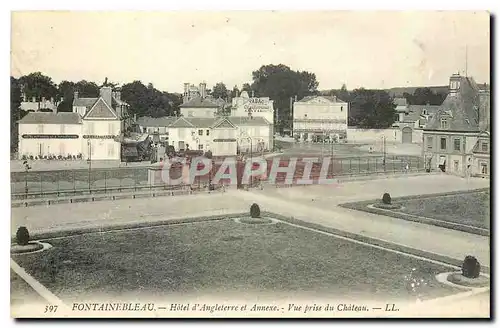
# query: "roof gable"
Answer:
x=223 y=124
x=199 y=102
x=181 y=122
x=101 y=110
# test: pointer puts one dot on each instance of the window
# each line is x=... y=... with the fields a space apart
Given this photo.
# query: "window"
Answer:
x=63 y=129
x=200 y=147
x=341 y=108
x=484 y=146
x=430 y=140
x=40 y=128
x=424 y=112
x=208 y=132
x=455 y=166
x=456 y=144
x=443 y=143
x=444 y=123
x=484 y=168
x=200 y=132
x=111 y=150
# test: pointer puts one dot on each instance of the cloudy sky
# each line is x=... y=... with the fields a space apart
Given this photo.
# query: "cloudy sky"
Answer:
x=369 y=49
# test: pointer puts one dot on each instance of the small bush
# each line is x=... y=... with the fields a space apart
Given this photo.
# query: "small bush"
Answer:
x=255 y=211
x=22 y=236
x=386 y=199
x=31 y=157
x=471 y=267
x=24 y=157
x=59 y=157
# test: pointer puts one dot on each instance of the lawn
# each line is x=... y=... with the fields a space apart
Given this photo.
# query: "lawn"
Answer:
x=226 y=256
x=455 y=210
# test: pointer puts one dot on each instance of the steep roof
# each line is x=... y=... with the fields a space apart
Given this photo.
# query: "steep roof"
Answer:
x=101 y=110
x=51 y=118
x=199 y=102
x=247 y=121
x=400 y=101
x=84 y=102
x=460 y=109
x=416 y=112
x=155 y=121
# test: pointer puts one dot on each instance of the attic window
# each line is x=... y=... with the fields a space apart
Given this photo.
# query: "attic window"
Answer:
x=444 y=123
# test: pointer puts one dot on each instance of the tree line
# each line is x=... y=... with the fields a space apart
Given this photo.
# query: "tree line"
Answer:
x=368 y=108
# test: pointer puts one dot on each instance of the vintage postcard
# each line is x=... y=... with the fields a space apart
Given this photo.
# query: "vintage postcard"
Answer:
x=250 y=164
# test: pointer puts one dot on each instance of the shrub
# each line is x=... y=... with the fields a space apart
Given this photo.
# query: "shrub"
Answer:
x=386 y=198
x=31 y=157
x=22 y=236
x=471 y=267
x=59 y=157
x=24 y=157
x=255 y=211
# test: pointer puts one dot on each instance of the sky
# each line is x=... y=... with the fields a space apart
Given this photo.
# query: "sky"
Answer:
x=360 y=49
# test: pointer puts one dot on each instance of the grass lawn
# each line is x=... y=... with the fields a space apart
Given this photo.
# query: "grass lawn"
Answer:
x=226 y=256
x=471 y=208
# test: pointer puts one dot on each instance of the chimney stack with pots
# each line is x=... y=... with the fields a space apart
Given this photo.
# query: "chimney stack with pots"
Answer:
x=105 y=93
x=75 y=95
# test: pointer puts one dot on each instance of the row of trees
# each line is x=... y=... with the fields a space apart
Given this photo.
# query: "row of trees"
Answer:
x=424 y=96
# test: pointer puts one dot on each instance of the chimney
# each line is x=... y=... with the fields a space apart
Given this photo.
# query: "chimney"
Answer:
x=24 y=97
x=253 y=93
x=34 y=99
x=118 y=95
x=203 y=90
x=43 y=100
x=75 y=95
x=105 y=93
x=51 y=100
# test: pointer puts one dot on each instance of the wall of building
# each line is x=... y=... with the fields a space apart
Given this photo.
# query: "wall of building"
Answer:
x=98 y=142
x=261 y=136
x=199 y=112
x=259 y=107
x=53 y=143
x=374 y=135
x=323 y=111
x=224 y=142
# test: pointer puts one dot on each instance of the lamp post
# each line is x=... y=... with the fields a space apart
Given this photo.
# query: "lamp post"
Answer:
x=244 y=136
x=89 y=159
x=27 y=167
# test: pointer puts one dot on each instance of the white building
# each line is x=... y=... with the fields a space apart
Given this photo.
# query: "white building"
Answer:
x=244 y=106
x=317 y=118
x=223 y=136
x=42 y=104
x=92 y=130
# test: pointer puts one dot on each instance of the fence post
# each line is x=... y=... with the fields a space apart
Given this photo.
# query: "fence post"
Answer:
x=350 y=166
x=74 y=183
x=393 y=166
x=368 y=162
x=41 y=183
x=58 y=179
x=105 y=182
x=135 y=180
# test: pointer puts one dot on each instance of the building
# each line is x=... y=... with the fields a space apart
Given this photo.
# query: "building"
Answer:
x=318 y=118
x=92 y=131
x=243 y=106
x=199 y=107
x=456 y=140
x=223 y=136
x=37 y=105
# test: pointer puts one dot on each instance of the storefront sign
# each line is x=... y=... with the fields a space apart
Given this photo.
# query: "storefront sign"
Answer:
x=258 y=105
x=98 y=137
x=50 y=136
x=224 y=140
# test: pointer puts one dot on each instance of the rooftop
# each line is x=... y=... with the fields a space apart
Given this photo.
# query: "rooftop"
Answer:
x=51 y=118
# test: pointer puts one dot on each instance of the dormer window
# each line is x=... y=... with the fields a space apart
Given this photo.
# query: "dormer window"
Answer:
x=444 y=123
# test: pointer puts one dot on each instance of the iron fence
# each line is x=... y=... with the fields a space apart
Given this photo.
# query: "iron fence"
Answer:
x=121 y=179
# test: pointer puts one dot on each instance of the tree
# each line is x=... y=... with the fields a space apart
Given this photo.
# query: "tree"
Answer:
x=15 y=112
x=371 y=109
x=38 y=85
x=148 y=101
x=87 y=89
x=235 y=92
x=220 y=91
x=246 y=87
x=66 y=91
x=424 y=96
x=280 y=83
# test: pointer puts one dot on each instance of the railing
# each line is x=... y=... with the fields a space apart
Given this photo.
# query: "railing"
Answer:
x=102 y=181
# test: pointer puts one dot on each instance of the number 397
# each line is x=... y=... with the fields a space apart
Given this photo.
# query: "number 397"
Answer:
x=50 y=308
